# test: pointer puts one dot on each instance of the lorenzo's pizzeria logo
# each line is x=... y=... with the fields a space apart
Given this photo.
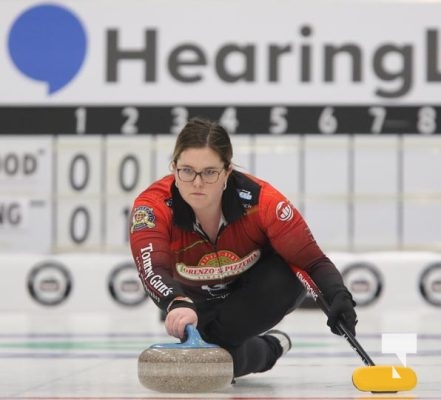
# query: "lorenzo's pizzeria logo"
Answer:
x=216 y=266
x=143 y=217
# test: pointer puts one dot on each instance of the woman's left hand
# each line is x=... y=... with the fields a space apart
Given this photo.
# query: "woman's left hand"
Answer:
x=342 y=309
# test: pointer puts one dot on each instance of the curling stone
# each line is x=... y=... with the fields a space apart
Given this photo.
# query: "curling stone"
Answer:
x=188 y=367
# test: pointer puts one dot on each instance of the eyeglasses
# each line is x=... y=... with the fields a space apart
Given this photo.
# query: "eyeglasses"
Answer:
x=208 y=175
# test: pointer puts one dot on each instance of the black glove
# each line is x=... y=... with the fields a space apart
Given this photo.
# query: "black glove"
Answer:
x=342 y=309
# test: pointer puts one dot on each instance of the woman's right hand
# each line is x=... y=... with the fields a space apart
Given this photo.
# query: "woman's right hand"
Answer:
x=177 y=319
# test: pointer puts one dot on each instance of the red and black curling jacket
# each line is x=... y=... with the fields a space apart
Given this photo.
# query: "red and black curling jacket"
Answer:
x=175 y=258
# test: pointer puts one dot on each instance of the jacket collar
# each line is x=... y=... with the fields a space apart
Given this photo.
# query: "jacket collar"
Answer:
x=232 y=207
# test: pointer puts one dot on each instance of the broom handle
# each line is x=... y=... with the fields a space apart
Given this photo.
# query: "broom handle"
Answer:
x=317 y=295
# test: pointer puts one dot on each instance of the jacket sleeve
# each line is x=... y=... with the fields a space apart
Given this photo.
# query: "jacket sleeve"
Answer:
x=149 y=237
x=292 y=239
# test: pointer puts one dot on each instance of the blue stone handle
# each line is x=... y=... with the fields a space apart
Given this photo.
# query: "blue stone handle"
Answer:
x=194 y=341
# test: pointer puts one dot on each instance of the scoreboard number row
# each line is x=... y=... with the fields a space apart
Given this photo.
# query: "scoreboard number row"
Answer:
x=278 y=122
x=130 y=120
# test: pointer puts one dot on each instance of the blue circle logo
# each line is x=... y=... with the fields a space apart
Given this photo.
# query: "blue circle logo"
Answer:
x=48 y=43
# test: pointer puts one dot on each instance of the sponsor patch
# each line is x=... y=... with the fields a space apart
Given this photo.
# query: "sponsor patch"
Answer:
x=217 y=291
x=150 y=278
x=245 y=194
x=284 y=211
x=143 y=217
x=218 y=266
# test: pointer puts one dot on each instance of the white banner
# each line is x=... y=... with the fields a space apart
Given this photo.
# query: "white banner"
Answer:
x=211 y=52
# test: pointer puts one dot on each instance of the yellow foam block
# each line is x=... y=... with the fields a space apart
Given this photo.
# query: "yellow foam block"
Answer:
x=384 y=378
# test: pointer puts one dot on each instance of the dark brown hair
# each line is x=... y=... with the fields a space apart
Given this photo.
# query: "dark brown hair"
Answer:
x=200 y=133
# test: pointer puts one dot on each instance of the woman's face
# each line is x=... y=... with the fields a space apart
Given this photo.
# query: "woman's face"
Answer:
x=199 y=193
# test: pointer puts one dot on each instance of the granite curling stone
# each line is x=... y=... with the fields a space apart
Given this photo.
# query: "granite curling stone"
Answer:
x=188 y=367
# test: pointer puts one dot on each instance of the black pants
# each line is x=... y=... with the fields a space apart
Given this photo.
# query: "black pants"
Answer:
x=260 y=299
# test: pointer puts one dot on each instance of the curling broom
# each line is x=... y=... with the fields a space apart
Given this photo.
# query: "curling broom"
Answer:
x=371 y=378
